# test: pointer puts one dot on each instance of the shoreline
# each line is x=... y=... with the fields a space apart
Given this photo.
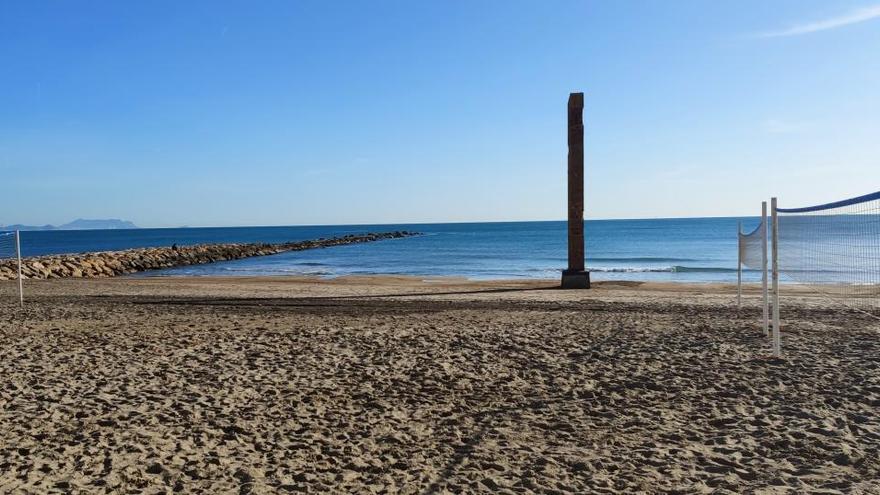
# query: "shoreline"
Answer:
x=402 y=286
x=380 y=278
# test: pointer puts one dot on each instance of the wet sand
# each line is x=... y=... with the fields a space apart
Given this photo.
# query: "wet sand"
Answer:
x=402 y=385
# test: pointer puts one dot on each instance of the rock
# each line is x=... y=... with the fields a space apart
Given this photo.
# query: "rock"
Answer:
x=113 y=263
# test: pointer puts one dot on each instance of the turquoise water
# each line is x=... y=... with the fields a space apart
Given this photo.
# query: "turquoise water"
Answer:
x=686 y=250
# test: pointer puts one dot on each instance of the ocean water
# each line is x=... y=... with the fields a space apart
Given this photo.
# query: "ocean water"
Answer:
x=685 y=250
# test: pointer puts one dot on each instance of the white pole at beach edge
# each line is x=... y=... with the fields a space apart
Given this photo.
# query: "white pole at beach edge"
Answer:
x=764 y=268
x=739 y=264
x=777 y=351
x=18 y=255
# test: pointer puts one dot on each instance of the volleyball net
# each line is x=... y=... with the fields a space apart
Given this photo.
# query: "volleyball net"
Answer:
x=753 y=255
x=10 y=260
x=834 y=249
x=751 y=247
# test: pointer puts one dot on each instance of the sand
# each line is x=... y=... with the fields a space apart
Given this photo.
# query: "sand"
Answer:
x=401 y=385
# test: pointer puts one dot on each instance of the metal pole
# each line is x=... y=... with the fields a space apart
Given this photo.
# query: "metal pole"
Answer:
x=764 y=269
x=739 y=264
x=777 y=351
x=18 y=255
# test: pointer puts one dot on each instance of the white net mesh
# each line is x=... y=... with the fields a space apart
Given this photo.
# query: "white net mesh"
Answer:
x=8 y=256
x=753 y=255
x=751 y=247
x=7 y=246
x=835 y=249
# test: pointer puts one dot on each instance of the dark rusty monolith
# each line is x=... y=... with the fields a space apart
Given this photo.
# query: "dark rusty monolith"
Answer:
x=575 y=277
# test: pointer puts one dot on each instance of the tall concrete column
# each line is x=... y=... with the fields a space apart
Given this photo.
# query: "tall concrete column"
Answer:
x=575 y=277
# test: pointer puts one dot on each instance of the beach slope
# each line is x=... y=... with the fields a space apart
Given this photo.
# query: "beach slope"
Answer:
x=400 y=385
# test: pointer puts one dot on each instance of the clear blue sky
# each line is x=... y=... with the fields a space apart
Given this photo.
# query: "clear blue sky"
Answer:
x=174 y=113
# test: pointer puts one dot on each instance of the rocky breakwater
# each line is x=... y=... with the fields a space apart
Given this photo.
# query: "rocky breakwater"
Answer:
x=113 y=263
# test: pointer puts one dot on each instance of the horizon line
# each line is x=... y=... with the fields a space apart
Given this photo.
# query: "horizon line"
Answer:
x=470 y=222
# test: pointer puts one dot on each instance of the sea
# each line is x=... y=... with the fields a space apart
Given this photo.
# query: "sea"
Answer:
x=670 y=250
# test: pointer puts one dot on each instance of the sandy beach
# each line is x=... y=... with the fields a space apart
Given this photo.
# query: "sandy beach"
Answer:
x=405 y=385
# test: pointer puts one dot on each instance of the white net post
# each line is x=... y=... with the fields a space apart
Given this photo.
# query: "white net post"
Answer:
x=18 y=258
x=753 y=256
x=774 y=217
x=739 y=264
x=765 y=295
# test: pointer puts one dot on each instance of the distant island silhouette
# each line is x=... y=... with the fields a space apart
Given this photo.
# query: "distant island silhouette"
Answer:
x=78 y=224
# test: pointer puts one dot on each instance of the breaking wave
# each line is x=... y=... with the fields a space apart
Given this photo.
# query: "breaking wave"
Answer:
x=666 y=269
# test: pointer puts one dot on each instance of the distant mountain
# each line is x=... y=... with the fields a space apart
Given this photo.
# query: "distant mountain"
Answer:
x=78 y=224
x=82 y=224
